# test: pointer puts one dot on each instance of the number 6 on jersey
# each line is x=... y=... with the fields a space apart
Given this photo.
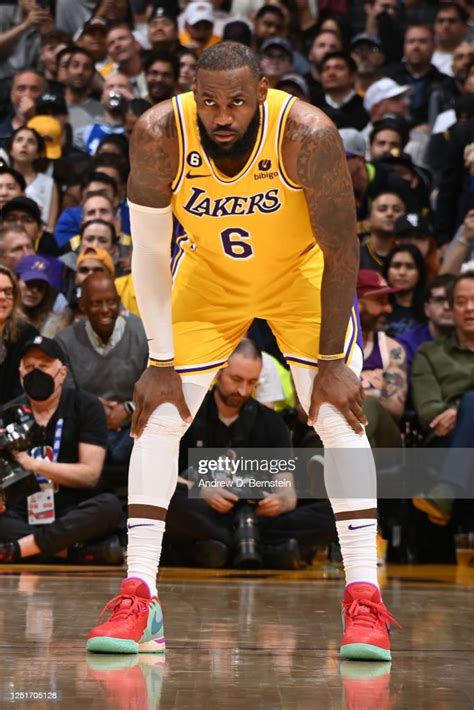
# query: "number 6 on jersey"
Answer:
x=234 y=245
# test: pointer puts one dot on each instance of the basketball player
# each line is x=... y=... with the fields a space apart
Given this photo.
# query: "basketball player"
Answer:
x=258 y=179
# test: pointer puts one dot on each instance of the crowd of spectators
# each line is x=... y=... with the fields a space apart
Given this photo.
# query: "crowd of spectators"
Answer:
x=397 y=79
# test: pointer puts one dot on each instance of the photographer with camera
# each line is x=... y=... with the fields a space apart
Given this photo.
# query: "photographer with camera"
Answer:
x=220 y=527
x=117 y=92
x=66 y=450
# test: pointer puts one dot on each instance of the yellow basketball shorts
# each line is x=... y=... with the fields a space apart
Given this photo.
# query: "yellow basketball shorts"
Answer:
x=213 y=309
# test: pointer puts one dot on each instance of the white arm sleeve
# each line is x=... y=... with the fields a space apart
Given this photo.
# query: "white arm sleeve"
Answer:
x=152 y=229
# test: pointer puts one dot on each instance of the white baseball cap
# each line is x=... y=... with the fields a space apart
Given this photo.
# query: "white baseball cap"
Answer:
x=381 y=90
x=198 y=12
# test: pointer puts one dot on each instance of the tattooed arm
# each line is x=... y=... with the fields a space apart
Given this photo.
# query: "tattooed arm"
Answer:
x=314 y=158
x=394 y=389
x=154 y=158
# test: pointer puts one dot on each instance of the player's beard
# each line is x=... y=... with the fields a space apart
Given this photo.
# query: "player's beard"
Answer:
x=242 y=147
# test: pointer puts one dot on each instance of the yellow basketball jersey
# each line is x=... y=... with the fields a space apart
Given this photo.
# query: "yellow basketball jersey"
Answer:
x=248 y=229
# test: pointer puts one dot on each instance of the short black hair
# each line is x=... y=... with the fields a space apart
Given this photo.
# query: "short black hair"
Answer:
x=351 y=65
x=77 y=50
x=18 y=177
x=447 y=5
x=270 y=9
x=116 y=139
x=166 y=57
x=97 y=176
x=387 y=125
x=111 y=160
x=227 y=56
x=440 y=281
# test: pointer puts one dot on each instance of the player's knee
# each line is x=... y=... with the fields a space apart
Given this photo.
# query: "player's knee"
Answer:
x=333 y=428
x=162 y=424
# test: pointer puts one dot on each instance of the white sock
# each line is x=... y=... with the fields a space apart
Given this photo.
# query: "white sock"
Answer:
x=144 y=549
x=358 y=540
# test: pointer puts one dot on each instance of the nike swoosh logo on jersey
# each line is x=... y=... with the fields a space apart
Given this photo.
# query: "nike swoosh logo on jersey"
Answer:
x=192 y=176
x=358 y=527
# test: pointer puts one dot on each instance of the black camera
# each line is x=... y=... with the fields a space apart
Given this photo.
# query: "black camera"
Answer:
x=117 y=103
x=19 y=434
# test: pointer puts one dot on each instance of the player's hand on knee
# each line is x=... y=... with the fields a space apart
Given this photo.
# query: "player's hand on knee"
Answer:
x=156 y=386
x=336 y=384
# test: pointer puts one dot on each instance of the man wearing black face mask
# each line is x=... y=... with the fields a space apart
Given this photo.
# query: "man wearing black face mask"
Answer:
x=71 y=436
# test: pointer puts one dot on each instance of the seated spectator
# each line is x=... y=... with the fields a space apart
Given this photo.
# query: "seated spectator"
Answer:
x=418 y=181
x=12 y=184
x=67 y=163
x=91 y=260
x=125 y=50
x=117 y=92
x=163 y=31
x=385 y=96
x=417 y=71
x=93 y=39
x=341 y=103
x=79 y=89
x=25 y=212
x=15 y=243
x=101 y=233
x=367 y=52
x=26 y=148
x=201 y=529
x=384 y=211
x=269 y=22
x=15 y=331
x=276 y=59
x=443 y=97
x=52 y=43
x=38 y=277
x=68 y=462
x=405 y=270
x=415 y=229
x=324 y=42
x=388 y=137
x=96 y=204
x=384 y=374
x=369 y=179
x=439 y=318
x=161 y=75
x=21 y=27
x=107 y=342
x=443 y=386
x=199 y=25
x=187 y=70
x=27 y=87
x=450 y=30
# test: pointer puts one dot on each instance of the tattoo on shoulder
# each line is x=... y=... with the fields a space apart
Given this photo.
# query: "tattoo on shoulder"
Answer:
x=150 y=154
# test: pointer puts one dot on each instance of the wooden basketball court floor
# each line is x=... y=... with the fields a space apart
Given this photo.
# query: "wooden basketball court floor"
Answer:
x=236 y=640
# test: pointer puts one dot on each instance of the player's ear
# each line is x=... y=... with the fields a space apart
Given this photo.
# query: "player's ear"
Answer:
x=262 y=90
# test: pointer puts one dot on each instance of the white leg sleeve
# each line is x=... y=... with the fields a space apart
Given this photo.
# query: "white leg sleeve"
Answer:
x=154 y=462
x=349 y=471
